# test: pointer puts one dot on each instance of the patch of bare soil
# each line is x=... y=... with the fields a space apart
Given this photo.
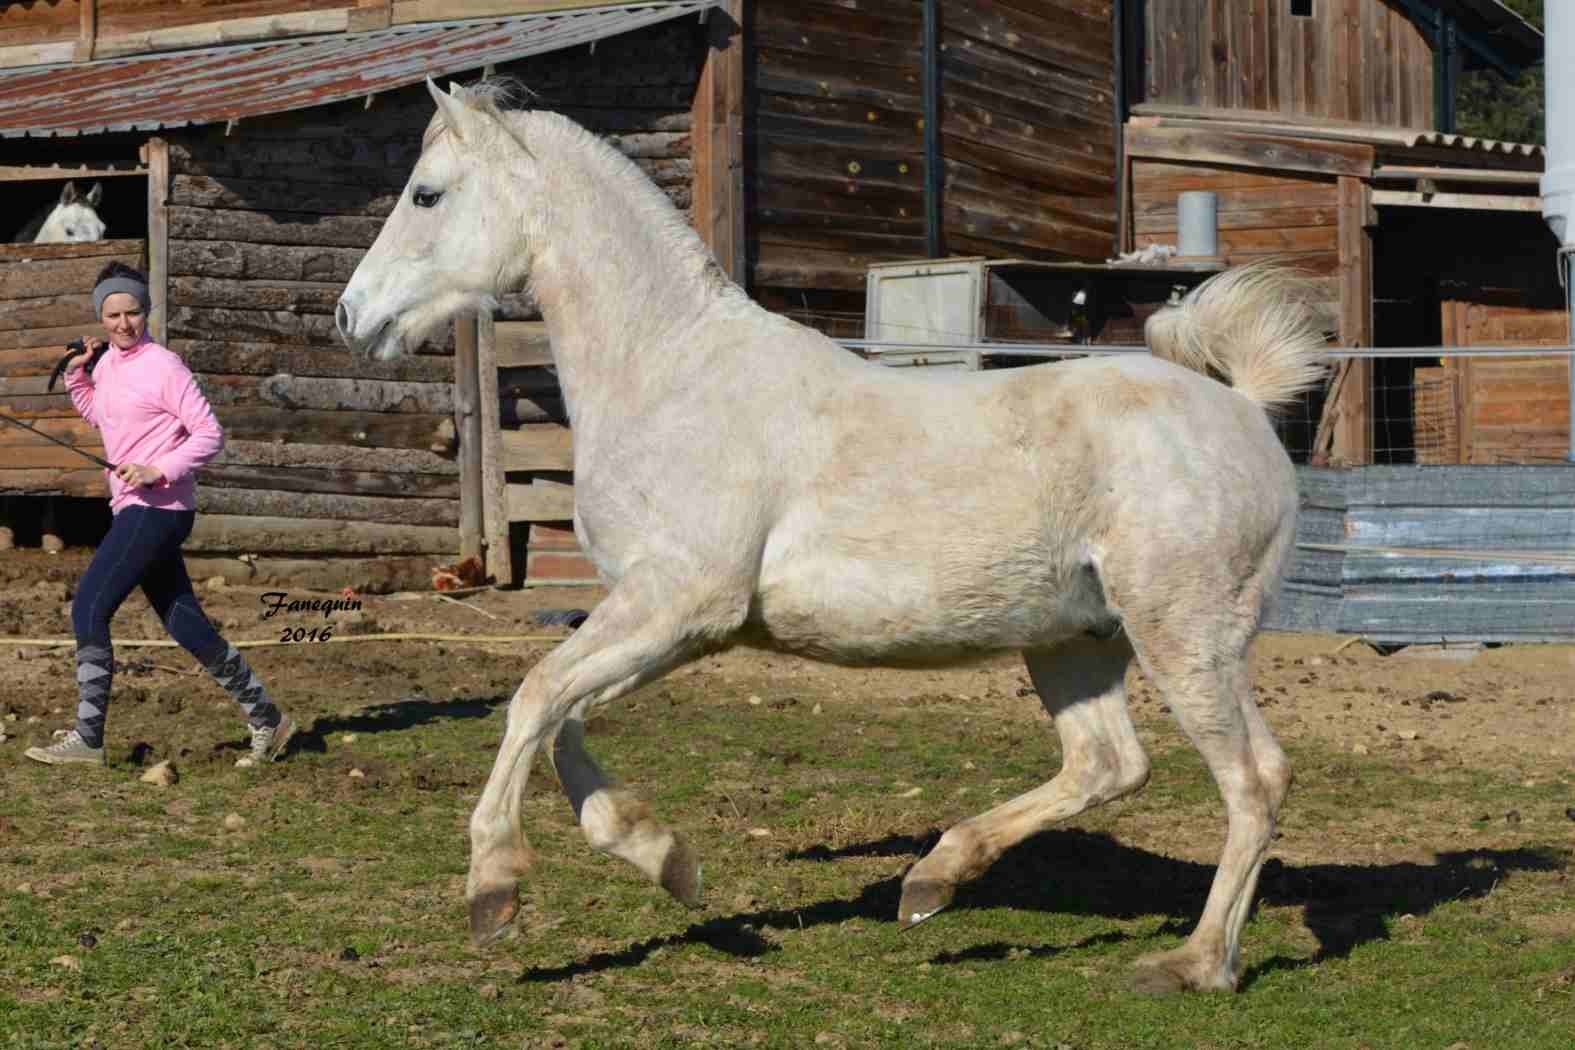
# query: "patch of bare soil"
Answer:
x=1508 y=711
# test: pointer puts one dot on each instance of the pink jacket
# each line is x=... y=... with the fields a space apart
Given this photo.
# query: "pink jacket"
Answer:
x=150 y=412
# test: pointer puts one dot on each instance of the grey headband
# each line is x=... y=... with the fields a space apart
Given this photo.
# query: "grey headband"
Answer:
x=110 y=285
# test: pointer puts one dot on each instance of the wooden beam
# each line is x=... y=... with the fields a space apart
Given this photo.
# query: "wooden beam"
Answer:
x=87 y=35
x=224 y=32
x=467 y=421
x=406 y=11
x=368 y=15
x=522 y=344
x=717 y=135
x=1473 y=201
x=540 y=500
x=56 y=52
x=494 y=482
x=33 y=173
x=1409 y=172
x=1273 y=152
x=156 y=155
x=1353 y=439
x=537 y=447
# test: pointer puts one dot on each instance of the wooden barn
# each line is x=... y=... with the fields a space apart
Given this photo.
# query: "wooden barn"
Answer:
x=254 y=148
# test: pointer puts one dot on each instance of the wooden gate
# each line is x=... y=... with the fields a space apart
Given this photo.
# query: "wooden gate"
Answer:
x=1496 y=409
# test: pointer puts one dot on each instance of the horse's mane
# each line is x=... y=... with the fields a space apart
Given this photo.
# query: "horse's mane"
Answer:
x=506 y=98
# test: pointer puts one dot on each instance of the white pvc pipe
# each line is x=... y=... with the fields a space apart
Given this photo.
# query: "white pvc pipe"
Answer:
x=1558 y=64
x=1558 y=180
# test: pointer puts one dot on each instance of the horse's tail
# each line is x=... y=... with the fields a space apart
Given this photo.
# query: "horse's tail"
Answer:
x=1254 y=327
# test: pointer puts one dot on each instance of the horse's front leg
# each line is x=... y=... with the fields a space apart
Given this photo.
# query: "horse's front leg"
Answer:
x=645 y=627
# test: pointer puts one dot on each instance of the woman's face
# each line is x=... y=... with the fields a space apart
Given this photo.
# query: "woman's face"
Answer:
x=123 y=320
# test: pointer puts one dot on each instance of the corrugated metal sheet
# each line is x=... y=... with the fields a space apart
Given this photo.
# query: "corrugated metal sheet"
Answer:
x=227 y=83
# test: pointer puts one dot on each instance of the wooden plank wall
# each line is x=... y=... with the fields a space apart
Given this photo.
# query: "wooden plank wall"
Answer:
x=46 y=300
x=1262 y=214
x=1028 y=128
x=1363 y=61
x=837 y=167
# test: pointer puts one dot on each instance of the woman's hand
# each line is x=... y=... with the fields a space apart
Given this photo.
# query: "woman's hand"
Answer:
x=77 y=361
x=138 y=474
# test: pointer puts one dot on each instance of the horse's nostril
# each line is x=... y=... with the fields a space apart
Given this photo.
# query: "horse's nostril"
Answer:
x=342 y=319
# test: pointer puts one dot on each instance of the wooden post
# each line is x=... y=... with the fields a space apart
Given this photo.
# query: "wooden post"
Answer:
x=87 y=36
x=494 y=482
x=467 y=422
x=1353 y=436
x=156 y=158
x=718 y=133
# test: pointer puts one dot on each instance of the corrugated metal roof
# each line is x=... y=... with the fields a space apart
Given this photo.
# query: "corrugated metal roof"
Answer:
x=211 y=85
x=1467 y=144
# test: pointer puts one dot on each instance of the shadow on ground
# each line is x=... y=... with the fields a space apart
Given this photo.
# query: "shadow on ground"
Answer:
x=1078 y=872
x=389 y=718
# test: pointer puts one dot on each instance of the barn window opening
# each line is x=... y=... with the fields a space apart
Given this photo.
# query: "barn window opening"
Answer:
x=1302 y=8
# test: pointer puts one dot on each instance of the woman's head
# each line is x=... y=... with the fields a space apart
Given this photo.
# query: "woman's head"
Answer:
x=122 y=302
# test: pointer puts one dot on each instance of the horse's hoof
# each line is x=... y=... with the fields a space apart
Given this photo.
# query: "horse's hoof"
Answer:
x=681 y=874
x=922 y=899
x=1168 y=973
x=491 y=913
x=1156 y=980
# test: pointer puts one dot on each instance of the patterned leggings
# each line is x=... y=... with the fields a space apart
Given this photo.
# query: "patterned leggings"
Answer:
x=143 y=547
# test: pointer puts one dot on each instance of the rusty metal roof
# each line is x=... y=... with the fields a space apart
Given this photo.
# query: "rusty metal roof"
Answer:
x=219 y=84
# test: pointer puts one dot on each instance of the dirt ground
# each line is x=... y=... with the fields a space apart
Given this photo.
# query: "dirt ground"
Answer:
x=1508 y=711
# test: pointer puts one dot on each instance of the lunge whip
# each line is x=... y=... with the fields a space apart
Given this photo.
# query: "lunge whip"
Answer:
x=106 y=464
x=74 y=348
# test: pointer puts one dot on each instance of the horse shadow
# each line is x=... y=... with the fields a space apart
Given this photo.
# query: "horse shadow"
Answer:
x=1090 y=873
x=394 y=717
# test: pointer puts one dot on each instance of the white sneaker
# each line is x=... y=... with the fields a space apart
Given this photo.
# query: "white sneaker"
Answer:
x=268 y=742
x=67 y=748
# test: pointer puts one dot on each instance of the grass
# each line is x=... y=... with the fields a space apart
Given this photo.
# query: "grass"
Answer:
x=334 y=917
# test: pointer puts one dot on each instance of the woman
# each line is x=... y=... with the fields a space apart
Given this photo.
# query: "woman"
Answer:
x=158 y=428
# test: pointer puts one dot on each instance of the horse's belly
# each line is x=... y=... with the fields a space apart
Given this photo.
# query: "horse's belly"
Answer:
x=865 y=613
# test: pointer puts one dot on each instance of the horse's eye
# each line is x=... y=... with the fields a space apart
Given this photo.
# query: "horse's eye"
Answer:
x=425 y=198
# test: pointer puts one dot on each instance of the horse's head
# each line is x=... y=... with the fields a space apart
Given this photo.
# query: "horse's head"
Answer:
x=74 y=217
x=456 y=238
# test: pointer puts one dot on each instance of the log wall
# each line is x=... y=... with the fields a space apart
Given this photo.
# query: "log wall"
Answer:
x=1363 y=61
x=46 y=300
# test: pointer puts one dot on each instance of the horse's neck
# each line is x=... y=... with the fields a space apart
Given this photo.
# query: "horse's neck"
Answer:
x=619 y=282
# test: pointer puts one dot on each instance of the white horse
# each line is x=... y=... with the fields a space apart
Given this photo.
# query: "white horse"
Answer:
x=741 y=479
x=71 y=219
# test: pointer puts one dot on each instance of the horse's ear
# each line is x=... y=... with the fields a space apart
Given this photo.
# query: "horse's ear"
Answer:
x=95 y=194
x=457 y=116
x=69 y=194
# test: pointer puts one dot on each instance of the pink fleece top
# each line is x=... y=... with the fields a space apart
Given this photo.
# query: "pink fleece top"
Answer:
x=149 y=409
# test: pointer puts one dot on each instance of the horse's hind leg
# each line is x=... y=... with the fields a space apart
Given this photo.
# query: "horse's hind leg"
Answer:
x=616 y=822
x=1082 y=685
x=1206 y=681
